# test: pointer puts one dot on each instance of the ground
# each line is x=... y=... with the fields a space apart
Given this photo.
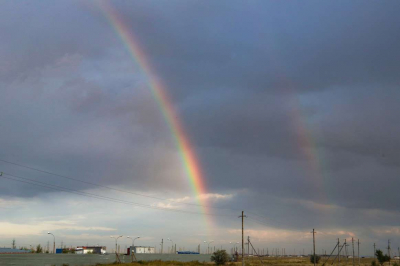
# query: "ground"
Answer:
x=265 y=261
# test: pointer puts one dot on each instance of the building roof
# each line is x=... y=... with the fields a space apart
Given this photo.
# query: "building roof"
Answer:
x=91 y=247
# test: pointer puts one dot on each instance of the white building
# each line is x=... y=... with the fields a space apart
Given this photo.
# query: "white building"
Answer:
x=91 y=250
x=141 y=250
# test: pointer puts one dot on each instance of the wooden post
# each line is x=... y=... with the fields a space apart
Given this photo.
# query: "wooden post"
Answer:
x=313 y=235
x=338 y=251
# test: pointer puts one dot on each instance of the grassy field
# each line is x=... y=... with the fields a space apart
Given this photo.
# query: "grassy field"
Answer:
x=265 y=261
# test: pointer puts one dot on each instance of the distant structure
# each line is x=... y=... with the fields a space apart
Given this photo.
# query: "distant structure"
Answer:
x=13 y=251
x=188 y=252
x=90 y=250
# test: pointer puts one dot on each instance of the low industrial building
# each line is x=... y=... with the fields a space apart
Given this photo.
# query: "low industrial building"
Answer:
x=142 y=250
x=90 y=250
x=13 y=251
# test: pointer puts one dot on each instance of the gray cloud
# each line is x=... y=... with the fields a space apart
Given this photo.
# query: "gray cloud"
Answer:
x=292 y=108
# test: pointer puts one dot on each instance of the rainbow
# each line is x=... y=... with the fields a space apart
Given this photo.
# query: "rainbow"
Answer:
x=189 y=160
x=305 y=136
x=307 y=145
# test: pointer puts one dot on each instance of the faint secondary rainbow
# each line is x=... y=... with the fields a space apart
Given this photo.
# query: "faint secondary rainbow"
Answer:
x=189 y=159
x=306 y=143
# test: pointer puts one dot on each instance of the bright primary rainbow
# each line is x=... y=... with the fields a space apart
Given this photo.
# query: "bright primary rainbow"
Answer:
x=189 y=159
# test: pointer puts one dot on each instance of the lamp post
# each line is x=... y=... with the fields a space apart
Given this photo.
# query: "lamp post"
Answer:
x=208 y=248
x=116 y=243
x=133 y=240
x=234 y=246
x=54 y=242
x=172 y=250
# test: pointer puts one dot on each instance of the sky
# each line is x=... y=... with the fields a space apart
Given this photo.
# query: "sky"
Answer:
x=290 y=107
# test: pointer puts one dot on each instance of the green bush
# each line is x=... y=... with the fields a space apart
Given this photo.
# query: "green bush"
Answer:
x=317 y=259
x=381 y=258
x=373 y=263
x=220 y=257
x=39 y=249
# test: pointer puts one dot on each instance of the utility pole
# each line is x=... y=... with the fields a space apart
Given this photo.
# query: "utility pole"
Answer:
x=358 y=251
x=248 y=245
x=162 y=245
x=242 y=216
x=313 y=236
x=398 y=253
x=338 y=251
x=374 y=251
x=389 y=250
x=352 y=243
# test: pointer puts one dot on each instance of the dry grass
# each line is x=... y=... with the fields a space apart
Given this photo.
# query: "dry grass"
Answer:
x=163 y=263
x=305 y=261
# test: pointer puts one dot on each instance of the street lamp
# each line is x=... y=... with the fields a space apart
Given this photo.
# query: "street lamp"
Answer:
x=116 y=242
x=54 y=242
x=208 y=248
x=234 y=246
x=172 y=250
x=133 y=240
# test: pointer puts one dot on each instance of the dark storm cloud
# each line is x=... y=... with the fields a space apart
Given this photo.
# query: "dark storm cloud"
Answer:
x=259 y=87
x=271 y=46
x=36 y=34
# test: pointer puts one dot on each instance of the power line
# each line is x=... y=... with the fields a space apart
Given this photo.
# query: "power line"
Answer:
x=91 y=195
x=261 y=222
x=87 y=182
x=112 y=188
x=257 y=221
x=268 y=218
x=132 y=193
